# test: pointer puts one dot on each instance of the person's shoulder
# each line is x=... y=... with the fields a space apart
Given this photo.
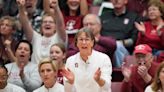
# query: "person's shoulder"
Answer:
x=149 y=89
x=39 y=89
x=15 y=88
x=73 y=56
x=59 y=85
x=132 y=14
x=10 y=64
x=106 y=14
x=31 y=66
x=100 y=54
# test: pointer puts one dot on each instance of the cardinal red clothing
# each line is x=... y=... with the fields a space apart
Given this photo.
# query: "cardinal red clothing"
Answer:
x=59 y=77
x=89 y=2
x=136 y=83
x=137 y=6
x=73 y=24
x=151 y=37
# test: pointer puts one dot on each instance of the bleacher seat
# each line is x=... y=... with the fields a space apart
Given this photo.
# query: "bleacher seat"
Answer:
x=117 y=75
x=116 y=86
x=130 y=60
x=94 y=9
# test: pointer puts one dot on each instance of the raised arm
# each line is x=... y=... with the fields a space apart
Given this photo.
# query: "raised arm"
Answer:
x=60 y=26
x=27 y=28
x=9 y=51
x=83 y=7
x=46 y=6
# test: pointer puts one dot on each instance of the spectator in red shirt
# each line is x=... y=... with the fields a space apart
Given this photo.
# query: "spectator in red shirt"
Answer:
x=73 y=15
x=152 y=31
x=139 y=76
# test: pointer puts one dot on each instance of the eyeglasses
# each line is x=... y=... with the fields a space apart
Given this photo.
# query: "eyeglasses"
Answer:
x=5 y=24
x=84 y=39
x=141 y=60
x=141 y=63
x=50 y=22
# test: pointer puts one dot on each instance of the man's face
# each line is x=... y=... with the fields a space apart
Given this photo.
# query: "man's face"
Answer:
x=3 y=78
x=119 y=3
x=30 y=5
x=91 y=23
x=143 y=59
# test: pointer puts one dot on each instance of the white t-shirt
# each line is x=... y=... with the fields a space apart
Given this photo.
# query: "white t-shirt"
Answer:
x=149 y=89
x=31 y=79
x=42 y=44
x=12 y=88
x=84 y=72
x=56 y=88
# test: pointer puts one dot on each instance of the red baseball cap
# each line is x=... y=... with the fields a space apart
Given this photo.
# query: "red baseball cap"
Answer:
x=143 y=49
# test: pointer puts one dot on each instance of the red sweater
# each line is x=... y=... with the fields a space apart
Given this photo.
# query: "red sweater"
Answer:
x=151 y=38
x=136 y=83
x=59 y=77
x=72 y=23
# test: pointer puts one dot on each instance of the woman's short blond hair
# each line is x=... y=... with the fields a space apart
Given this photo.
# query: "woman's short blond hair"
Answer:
x=48 y=61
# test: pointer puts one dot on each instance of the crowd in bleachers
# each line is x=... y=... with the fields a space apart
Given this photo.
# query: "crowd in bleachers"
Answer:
x=81 y=45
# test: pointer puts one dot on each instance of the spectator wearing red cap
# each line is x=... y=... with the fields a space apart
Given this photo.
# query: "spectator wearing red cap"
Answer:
x=137 y=77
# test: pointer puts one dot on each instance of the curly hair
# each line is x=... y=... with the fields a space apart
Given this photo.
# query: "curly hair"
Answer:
x=157 y=3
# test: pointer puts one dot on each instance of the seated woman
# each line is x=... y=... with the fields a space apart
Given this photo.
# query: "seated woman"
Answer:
x=158 y=83
x=48 y=72
x=7 y=29
x=152 y=31
x=22 y=72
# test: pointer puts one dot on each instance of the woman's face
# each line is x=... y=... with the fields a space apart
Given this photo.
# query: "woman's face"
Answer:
x=57 y=54
x=73 y=4
x=48 y=26
x=84 y=43
x=118 y=4
x=23 y=53
x=154 y=12
x=53 y=3
x=47 y=73
x=6 y=27
x=161 y=75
